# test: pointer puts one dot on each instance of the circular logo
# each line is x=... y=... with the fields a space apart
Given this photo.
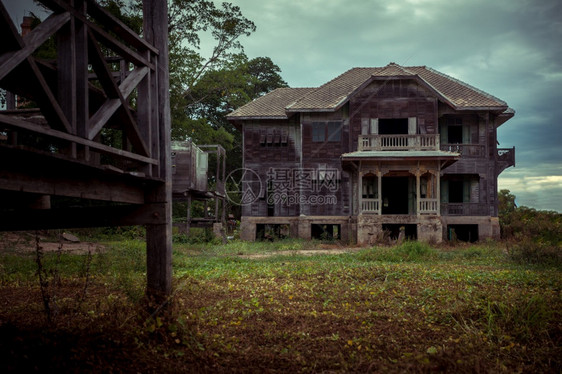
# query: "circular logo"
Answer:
x=243 y=186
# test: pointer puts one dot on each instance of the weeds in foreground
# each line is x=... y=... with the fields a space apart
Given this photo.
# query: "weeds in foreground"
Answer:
x=392 y=309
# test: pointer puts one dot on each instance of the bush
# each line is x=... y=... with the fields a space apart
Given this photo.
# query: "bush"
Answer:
x=539 y=226
x=531 y=252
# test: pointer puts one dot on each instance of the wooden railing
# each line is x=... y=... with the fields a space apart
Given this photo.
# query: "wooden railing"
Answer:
x=507 y=155
x=427 y=206
x=465 y=209
x=466 y=150
x=416 y=142
x=370 y=206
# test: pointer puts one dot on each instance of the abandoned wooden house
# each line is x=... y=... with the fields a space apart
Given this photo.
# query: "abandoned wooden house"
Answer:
x=91 y=145
x=192 y=180
x=370 y=152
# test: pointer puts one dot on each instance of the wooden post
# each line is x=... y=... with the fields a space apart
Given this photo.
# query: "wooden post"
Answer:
x=438 y=192
x=379 y=192
x=360 y=184
x=159 y=236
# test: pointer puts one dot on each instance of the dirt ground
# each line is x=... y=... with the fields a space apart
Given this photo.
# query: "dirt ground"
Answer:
x=27 y=242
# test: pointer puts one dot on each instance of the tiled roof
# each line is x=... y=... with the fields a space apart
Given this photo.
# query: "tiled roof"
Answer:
x=271 y=105
x=333 y=94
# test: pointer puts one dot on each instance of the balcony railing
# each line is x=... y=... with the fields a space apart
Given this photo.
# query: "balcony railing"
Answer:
x=507 y=155
x=425 y=206
x=416 y=142
x=370 y=206
x=465 y=209
x=466 y=150
x=428 y=206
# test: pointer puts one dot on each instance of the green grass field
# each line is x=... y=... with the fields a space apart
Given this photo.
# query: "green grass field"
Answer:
x=243 y=307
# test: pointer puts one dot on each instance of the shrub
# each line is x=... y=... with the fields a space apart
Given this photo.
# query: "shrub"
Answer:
x=532 y=252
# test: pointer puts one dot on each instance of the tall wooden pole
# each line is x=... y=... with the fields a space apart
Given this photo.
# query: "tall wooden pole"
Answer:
x=159 y=237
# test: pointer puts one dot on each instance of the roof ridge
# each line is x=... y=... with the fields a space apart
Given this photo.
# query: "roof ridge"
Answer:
x=317 y=88
x=469 y=86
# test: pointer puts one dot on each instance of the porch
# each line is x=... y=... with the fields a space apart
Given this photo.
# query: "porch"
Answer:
x=399 y=193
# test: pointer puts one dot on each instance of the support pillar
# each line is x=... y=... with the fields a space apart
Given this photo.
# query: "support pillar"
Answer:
x=379 y=192
x=159 y=236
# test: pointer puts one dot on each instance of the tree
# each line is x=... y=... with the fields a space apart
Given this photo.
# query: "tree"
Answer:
x=506 y=203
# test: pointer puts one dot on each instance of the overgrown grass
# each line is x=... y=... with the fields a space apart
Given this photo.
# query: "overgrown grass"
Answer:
x=268 y=307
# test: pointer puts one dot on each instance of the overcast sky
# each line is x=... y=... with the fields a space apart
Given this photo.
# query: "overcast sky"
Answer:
x=508 y=48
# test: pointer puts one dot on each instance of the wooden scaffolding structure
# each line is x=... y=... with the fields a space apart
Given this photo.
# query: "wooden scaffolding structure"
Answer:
x=99 y=130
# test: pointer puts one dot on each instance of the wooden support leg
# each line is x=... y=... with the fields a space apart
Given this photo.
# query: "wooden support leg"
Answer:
x=159 y=237
x=159 y=261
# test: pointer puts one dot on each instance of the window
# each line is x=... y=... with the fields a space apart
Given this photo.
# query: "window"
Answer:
x=454 y=132
x=326 y=131
x=318 y=131
x=455 y=135
x=393 y=126
x=334 y=131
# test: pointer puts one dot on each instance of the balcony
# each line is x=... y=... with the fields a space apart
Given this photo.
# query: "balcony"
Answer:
x=506 y=156
x=402 y=142
x=465 y=209
x=425 y=206
x=466 y=150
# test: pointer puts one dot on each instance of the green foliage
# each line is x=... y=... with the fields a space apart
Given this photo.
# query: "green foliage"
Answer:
x=506 y=202
x=521 y=318
x=532 y=252
x=407 y=251
x=536 y=236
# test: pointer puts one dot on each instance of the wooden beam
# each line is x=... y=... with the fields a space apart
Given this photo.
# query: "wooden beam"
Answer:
x=43 y=175
x=107 y=39
x=28 y=70
x=9 y=60
x=108 y=109
x=104 y=149
x=109 y=20
x=64 y=218
x=113 y=92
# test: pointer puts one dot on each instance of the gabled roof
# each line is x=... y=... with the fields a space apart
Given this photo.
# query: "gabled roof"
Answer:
x=270 y=106
x=332 y=95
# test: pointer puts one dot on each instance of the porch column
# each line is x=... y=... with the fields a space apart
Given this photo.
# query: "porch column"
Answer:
x=438 y=177
x=418 y=173
x=379 y=192
x=360 y=197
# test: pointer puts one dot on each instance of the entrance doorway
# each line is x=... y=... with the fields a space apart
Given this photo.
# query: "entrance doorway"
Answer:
x=395 y=195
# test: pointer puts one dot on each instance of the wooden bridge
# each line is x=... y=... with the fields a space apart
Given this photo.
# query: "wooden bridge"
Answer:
x=85 y=137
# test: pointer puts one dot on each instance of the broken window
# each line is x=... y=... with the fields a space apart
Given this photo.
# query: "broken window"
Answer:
x=393 y=126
